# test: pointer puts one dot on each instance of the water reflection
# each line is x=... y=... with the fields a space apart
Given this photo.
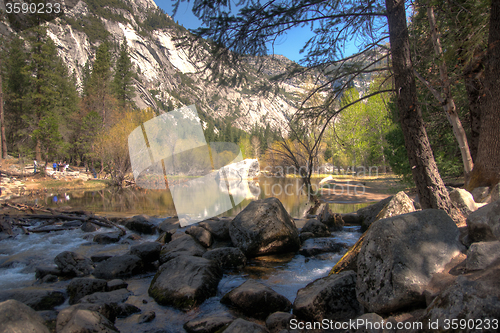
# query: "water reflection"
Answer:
x=127 y=201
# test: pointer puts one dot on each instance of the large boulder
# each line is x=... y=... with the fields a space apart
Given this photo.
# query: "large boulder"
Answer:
x=279 y=321
x=73 y=264
x=484 y=223
x=317 y=228
x=108 y=237
x=400 y=255
x=463 y=200
x=184 y=245
x=332 y=297
x=148 y=252
x=218 y=228
x=185 y=282
x=480 y=193
x=473 y=298
x=35 y=297
x=142 y=224
x=16 y=317
x=227 y=257
x=334 y=221
x=256 y=300
x=246 y=169
x=397 y=205
x=211 y=323
x=202 y=235
x=81 y=287
x=118 y=267
x=76 y=319
x=369 y=214
x=264 y=227
x=480 y=255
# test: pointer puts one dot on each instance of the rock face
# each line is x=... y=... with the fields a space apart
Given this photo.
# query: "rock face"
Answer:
x=81 y=287
x=264 y=227
x=399 y=256
x=73 y=264
x=214 y=322
x=397 y=205
x=184 y=245
x=185 y=282
x=464 y=200
x=256 y=300
x=484 y=223
x=118 y=267
x=78 y=320
x=16 y=317
x=473 y=297
x=227 y=257
x=35 y=297
x=316 y=227
x=332 y=297
x=481 y=255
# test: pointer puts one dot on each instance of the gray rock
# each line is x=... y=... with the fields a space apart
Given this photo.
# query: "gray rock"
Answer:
x=480 y=255
x=369 y=214
x=184 y=245
x=119 y=267
x=314 y=246
x=245 y=326
x=256 y=300
x=227 y=257
x=305 y=236
x=264 y=227
x=16 y=317
x=148 y=252
x=318 y=228
x=480 y=193
x=211 y=323
x=400 y=255
x=474 y=297
x=124 y=310
x=397 y=205
x=81 y=287
x=41 y=271
x=116 y=284
x=185 y=282
x=89 y=227
x=109 y=297
x=484 y=223
x=332 y=220
x=219 y=229
x=332 y=297
x=202 y=235
x=372 y=323
x=100 y=257
x=147 y=317
x=73 y=264
x=142 y=224
x=107 y=237
x=35 y=297
x=278 y=321
x=169 y=225
x=76 y=319
x=463 y=200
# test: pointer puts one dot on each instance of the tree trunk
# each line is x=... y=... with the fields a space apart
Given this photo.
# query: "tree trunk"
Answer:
x=448 y=103
x=430 y=187
x=3 y=140
x=487 y=167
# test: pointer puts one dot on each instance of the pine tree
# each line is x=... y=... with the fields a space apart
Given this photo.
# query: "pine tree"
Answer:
x=122 y=82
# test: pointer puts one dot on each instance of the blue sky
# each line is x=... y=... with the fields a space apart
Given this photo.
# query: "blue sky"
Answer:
x=288 y=45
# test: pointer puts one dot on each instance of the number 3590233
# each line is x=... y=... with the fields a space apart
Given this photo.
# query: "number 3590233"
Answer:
x=478 y=324
x=33 y=8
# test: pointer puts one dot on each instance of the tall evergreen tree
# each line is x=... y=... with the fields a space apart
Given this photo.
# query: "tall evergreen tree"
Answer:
x=122 y=82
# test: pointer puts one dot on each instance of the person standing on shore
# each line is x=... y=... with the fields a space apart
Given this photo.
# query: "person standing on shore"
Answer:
x=34 y=165
x=54 y=166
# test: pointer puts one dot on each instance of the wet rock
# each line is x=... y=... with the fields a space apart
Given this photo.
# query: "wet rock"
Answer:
x=219 y=229
x=41 y=271
x=185 y=282
x=35 y=297
x=76 y=319
x=148 y=252
x=116 y=284
x=203 y=236
x=480 y=255
x=397 y=205
x=480 y=193
x=18 y=317
x=484 y=223
x=245 y=326
x=400 y=255
x=80 y=287
x=264 y=227
x=227 y=257
x=211 y=323
x=463 y=200
x=317 y=228
x=165 y=237
x=49 y=278
x=88 y=227
x=107 y=237
x=332 y=297
x=141 y=224
x=73 y=264
x=469 y=297
x=305 y=236
x=72 y=224
x=169 y=225
x=124 y=310
x=278 y=321
x=314 y=246
x=147 y=317
x=110 y=297
x=119 y=267
x=184 y=245
x=332 y=220
x=256 y=300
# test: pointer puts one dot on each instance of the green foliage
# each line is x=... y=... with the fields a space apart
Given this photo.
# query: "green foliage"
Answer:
x=122 y=82
x=397 y=155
